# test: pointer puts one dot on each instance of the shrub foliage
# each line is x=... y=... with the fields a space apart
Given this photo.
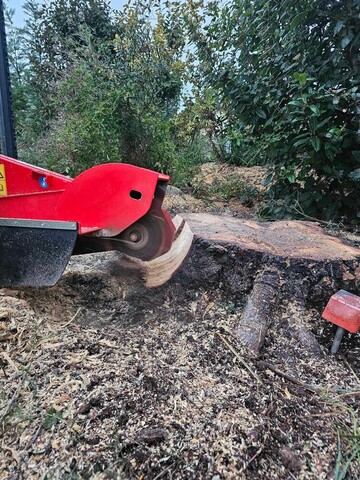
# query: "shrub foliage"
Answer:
x=169 y=84
x=287 y=76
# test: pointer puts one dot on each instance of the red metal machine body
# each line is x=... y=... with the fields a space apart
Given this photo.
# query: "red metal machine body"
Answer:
x=343 y=309
x=111 y=196
x=108 y=207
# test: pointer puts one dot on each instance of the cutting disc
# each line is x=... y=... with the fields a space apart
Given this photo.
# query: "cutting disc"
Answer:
x=148 y=238
x=145 y=239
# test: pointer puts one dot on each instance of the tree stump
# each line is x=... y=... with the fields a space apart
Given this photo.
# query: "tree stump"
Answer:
x=268 y=267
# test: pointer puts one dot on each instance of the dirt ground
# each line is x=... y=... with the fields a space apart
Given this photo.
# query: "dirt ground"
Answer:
x=102 y=378
x=217 y=190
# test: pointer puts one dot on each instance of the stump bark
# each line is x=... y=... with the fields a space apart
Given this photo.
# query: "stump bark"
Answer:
x=268 y=268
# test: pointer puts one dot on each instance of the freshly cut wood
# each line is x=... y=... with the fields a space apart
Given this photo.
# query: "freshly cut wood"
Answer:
x=159 y=270
x=269 y=266
x=286 y=238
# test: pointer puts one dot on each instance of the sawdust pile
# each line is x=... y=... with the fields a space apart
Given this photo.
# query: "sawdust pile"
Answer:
x=102 y=383
x=103 y=379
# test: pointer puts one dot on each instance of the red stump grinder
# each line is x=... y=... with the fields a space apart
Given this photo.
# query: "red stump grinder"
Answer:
x=46 y=217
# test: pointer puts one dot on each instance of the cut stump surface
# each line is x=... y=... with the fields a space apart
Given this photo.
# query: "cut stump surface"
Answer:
x=292 y=239
x=281 y=268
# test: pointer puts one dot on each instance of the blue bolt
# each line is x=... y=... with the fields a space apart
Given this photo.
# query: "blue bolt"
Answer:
x=43 y=183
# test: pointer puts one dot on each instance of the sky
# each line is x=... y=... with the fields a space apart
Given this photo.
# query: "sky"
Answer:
x=19 y=15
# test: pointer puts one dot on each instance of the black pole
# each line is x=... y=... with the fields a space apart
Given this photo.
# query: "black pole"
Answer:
x=8 y=142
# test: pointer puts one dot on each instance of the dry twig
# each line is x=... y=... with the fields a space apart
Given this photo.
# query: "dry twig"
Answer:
x=241 y=360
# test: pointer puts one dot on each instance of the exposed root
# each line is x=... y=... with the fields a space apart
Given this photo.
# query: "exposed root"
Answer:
x=259 y=310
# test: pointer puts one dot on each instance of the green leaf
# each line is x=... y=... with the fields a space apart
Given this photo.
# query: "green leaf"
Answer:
x=315 y=109
x=346 y=40
x=330 y=151
x=296 y=103
x=339 y=25
x=260 y=113
x=291 y=177
x=269 y=122
x=355 y=174
x=52 y=418
x=333 y=133
x=268 y=179
x=303 y=141
x=316 y=143
x=324 y=122
x=301 y=78
x=313 y=123
x=298 y=19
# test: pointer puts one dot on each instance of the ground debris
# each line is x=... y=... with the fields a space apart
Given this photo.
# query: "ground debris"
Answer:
x=102 y=379
x=290 y=459
x=151 y=435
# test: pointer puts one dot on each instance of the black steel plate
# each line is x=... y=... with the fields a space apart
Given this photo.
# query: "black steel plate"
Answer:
x=34 y=253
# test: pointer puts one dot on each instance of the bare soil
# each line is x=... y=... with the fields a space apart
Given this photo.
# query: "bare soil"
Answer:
x=102 y=378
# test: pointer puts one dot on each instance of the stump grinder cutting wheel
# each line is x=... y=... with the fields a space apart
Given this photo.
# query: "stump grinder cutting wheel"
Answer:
x=46 y=217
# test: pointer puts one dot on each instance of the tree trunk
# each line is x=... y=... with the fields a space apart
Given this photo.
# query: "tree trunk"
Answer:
x=271 y=269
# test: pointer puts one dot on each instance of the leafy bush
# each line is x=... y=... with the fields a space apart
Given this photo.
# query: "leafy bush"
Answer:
x=266 y=83
x=318 y=165
x=287 y=76
x=107 y=94
x=83 y=133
